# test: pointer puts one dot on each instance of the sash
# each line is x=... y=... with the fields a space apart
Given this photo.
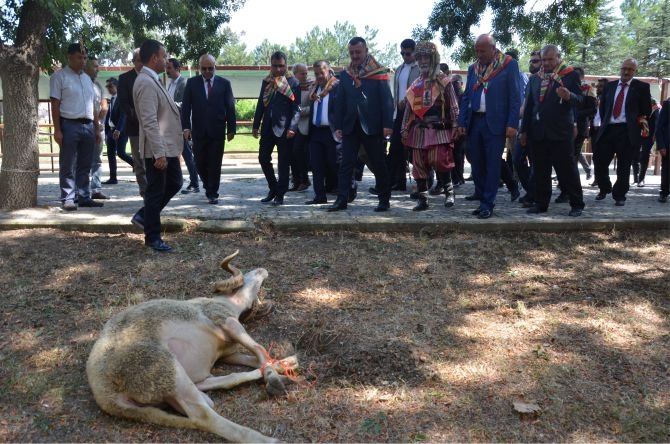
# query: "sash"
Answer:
x=555 y=76
x=370 y=69
x=330 y=84
x=422 y=94
x=277 y=85
x=307 y=85
x=486 y=73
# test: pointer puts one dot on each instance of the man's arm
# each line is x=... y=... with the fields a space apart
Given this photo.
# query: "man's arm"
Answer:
x=258 y=115
x=231 y=117
x=146 y=104
x=55 y=116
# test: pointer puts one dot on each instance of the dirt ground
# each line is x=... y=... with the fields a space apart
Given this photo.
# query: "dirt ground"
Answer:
x=426 y=337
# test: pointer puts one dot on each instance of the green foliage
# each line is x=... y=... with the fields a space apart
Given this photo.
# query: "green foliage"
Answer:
x=245 y=109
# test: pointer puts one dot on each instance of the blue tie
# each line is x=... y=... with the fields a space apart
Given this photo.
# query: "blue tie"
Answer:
x=319 y=112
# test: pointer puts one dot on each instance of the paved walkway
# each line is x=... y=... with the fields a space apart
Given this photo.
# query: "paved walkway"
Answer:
x=243 y=185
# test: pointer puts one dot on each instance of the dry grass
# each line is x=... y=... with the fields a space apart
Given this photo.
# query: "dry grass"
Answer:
x=411 y=338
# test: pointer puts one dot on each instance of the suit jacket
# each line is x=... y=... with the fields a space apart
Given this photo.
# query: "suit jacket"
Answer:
x=333 y=97
x=503 y=99
x=413 y=74
x=125 y=98
x=663 y=127
x=371 y=105
x=207 y=118
x=160 y=132
x=281 y=114
x=551 y=119
x=115 y=116
x=638 y=103
x=178 y=93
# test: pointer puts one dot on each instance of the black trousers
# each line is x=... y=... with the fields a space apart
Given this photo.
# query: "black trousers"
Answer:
x=396 y=159
x=300 y=159
x=559 y=154
x=208 y=154
x=161 y=186
x=284 y=147
x=614 y=140
x=323 y=158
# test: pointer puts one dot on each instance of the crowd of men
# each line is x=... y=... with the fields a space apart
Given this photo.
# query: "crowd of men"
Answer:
x=335 y=125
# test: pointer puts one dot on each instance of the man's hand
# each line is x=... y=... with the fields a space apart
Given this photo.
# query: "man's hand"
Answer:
x=510 y=132
x=663 y=152
x=388 y=132
x=523 y=139
x=160 y=163
x=230 y=136
x=563 y=93
x=290 y=134
x=58 y=137
x=460 y=132
x=338 y=134
x=116 y=134
x=254 y=133
x=187 y=134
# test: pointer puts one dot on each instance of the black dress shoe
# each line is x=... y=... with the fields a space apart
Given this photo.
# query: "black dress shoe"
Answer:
x=373 y=190
x=562 y=198
x=110 y=182
x=278 y=200
x=352 y=195
x=529 y=203
x=415 y=195
x=158 y=245
x=476 y=212
x=213 y=200
x=339 y=205
x=90 y=203
x=421 y=206
x=536 y=210
x=575 y=212
x=619 y=203
x=271 y=195
x=190 y=189
x=485 y=214
x=663 y=199
x=382 y=206
x=294 y=187
x=472 y=197
x=138 y=221
x=601 y=196
x=316 y=201
x=399 y=187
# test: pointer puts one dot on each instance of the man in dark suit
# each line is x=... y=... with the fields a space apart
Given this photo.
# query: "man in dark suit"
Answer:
x=277 y=115
x=624 y=109
x=323 y=141
x=549 y=123
x=363 y=116
x=115 y=140
x=489 y=113
x=131 y=125
x=207 y=110
x=663 y=148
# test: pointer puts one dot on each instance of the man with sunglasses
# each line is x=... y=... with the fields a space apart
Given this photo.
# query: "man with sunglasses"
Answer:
x=207 y=111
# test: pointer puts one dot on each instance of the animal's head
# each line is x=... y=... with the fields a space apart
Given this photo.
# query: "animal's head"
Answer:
x=242 y=289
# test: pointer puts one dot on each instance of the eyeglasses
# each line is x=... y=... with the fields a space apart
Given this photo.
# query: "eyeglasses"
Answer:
x=535 y=61
x=206 y=68
x=405 y=53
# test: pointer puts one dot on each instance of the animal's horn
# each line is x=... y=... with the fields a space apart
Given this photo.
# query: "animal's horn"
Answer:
x=232 y=283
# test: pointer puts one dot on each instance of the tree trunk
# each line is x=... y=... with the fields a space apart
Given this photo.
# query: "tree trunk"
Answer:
x=19 y=70
x=20 y=160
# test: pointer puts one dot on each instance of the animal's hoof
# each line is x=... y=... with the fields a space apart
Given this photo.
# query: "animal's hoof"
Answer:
x=274 y=386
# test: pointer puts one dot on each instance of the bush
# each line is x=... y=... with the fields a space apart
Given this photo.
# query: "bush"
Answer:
x=245 y=109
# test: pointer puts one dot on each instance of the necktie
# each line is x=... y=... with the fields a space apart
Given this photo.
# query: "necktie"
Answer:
x=618 y=103
x=209 y=87
x=319 y=112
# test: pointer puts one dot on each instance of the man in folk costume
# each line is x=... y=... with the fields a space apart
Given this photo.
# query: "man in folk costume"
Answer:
x=364 y=116
x=489 y=114
x=429 y=124
x=278 y=108
x=549 y=123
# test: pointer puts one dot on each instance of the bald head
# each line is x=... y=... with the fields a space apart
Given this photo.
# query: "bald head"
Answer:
x=207 y=65
x=628 y=69
x=485 y=49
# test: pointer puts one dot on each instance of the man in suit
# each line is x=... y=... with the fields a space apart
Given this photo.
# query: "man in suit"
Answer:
x=176 y=90
x=549 y=123
x=276 y=122
x=160 y=142
x=208 y=107
x=299 y=153
x=130 y=125
x=363 y=116
x=641 y=162
x=663 y=148
x=114 y=138
x=322 y=142
x=624 y=109
x=489 y=113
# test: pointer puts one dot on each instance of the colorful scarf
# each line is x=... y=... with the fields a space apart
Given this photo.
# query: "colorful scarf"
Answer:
x=422 y=94
x=555 y=76
x=306 y=86
x=277 y=84
x=330 y=84
x=370 y=69
x=486 y=73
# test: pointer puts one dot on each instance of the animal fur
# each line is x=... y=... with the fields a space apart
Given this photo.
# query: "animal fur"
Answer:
x=160 y=354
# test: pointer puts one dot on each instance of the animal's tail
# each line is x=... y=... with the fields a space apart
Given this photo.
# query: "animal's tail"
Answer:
x=232 y=283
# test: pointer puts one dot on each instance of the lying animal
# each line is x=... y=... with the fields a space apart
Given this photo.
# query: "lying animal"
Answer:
x=160 y=354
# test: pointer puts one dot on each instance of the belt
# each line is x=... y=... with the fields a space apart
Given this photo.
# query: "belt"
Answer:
x=322 y=126
x=618 y=124
x=83 y=121
x=479 y=114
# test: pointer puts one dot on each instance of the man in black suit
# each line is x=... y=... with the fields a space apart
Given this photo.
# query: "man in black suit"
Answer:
x=131 y=125
x=624 y=109
x=207 y=108
x=663 y=148
x=277 y=115
x=549 y=124
x=115 y=139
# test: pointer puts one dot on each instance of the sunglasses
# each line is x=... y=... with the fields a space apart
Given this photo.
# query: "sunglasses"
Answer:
x=206 y=68
x=405 y=53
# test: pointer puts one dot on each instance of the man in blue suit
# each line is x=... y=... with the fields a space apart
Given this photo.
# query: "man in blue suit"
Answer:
x=549 y=121
x=363 y=116
x=277 y=116
x=115 y=137
x=207 y=108
x=489 y=114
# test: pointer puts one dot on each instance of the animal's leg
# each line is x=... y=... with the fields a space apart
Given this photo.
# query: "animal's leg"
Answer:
x=190 y=400
x=236 y=331
x=237 y=358
x=228 y=381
